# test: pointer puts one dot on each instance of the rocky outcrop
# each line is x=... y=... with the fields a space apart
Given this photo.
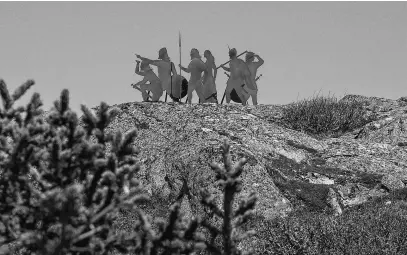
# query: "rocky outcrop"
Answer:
x=285 y=168
x=179 y=141
x=390 y=126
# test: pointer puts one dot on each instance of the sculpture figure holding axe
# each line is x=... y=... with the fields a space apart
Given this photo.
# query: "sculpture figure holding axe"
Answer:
x=233 y=94
x=239 y=77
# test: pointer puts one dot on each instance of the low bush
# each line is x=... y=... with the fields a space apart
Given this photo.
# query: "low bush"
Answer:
x=325 y=115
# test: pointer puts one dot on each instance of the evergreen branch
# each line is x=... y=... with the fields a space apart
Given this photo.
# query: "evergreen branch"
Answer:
x=220 y=172
x=126 y=147
x=5 y=96
x=32 y=108
x=189 y=232
x=226 y=156
x=238 y=168
x=213 y=229
x=20 y=91
x=103 y=212
x=89 y=119
x=136 y=199
x=57 y=107
x=88 y=234
x=246 y=205
x=64 y=101
x=208 y=200
x=169 y=229
x=116 y=141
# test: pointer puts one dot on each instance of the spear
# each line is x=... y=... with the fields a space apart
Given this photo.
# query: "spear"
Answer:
x=179 y=43
x=180 y=70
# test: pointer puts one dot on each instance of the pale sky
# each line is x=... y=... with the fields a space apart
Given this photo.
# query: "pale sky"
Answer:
x=88 y=47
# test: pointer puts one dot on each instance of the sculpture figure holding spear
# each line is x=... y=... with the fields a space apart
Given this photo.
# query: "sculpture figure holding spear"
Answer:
x=196 y=67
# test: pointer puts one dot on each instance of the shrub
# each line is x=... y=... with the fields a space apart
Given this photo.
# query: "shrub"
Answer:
x=321 y=115
x=59 y=193
x=62 y=187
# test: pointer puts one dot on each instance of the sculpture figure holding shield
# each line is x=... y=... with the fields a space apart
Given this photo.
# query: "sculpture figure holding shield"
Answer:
x=170 y=80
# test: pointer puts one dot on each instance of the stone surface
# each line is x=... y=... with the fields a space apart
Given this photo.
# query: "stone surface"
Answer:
x=392 y=182
x=391 y=126
x=333 y=202
x=316 y=178
x=174 y=149
x=178 y=141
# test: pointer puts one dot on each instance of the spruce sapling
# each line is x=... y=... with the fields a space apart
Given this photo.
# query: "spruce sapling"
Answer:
x=231 y=184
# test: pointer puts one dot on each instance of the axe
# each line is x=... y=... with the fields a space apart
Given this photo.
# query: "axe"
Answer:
x=135 y=87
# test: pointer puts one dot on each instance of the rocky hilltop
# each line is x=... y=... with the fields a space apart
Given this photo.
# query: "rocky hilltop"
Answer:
x=286 y=168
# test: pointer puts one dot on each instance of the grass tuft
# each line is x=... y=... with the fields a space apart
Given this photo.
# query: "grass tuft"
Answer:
x=325 y=115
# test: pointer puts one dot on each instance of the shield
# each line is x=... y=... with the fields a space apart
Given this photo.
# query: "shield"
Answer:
x=234 y=97
x=176 y=86
x=184 y=87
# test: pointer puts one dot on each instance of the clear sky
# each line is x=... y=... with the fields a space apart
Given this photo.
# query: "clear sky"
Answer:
x=88 y=47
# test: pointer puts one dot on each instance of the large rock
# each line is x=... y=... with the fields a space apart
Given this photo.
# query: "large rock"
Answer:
x=179 y=141
x=285 y=168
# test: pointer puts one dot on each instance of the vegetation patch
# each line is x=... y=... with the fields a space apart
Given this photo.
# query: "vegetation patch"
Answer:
x=288 y=176
x=293 y=169
x=394 y=195
x=325 y=115
x=369 y=180
x=301 y=147
x=300 y=193
x=376 y=227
